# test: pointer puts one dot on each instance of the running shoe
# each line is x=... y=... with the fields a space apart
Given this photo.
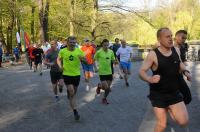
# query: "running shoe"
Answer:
x=76 y=116
x=127 y=84
x=104 y=101
x=57 y=98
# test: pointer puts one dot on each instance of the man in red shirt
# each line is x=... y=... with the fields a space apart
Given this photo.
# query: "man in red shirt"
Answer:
x=89 y=52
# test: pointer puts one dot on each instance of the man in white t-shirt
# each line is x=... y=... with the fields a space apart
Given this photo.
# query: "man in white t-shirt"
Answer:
x=46 y=46
x=125 y=53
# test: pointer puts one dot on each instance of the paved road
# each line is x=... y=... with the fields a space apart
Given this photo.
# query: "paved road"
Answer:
x=27 y=105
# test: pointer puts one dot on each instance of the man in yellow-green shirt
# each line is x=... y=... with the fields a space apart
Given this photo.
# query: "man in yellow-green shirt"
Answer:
x=104 y=57
x=69 y=60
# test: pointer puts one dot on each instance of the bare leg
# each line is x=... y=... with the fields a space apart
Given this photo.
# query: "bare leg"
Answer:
x=180 y=114
x=161 y=119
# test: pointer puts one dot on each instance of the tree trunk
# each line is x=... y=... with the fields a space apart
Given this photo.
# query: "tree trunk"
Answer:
x=40 y=2
x=94 y=19
x=72 y=11
x=33 y=24
x=45 y=21
x=2 y=38
x=10 y=27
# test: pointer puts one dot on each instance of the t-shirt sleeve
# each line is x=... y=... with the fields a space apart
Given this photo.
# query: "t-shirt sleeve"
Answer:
x=93 y=51
x=47 y=56
x=131 y=49
x=118 y=52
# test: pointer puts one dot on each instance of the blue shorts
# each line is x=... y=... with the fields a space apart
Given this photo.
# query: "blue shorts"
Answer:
x=125 y=65
x=87 y=67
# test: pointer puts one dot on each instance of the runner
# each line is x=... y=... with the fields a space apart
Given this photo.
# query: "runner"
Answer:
x=31 y=57
x=38 y=55
x=164 y=95
x=69 y=61
x=125 y=53
x=55 y=73
x=45 y=47
x=16 y=53
x=104 y=56
x=114 y=48
x=88 y=66
x=180 y=38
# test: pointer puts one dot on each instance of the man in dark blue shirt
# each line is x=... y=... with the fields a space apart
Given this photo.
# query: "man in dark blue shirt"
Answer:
x=16 y=53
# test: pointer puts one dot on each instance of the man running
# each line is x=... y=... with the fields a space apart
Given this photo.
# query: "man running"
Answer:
x=125 y=53
x=114 y=48
x=104 y=56
x=16 y=53
x=69 y=60
x=179 y=42
x=55 y=73
x=38 y=54
x=180 y=38
x=31 y=57
x=88 y=66
x=164 y=95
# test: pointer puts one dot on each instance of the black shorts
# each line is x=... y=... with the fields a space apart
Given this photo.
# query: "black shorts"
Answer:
x=164 y=103
x=106 y=77
x=74 y=80
x=55 y=76
x=38 y=62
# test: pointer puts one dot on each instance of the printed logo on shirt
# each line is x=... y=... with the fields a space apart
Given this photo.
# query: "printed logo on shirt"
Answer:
x=71 y=58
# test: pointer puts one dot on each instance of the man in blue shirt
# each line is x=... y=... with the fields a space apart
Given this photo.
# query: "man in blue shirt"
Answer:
x=16 y=53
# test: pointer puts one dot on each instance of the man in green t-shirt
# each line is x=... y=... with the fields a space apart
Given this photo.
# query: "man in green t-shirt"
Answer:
x=68 y=60
x=104 y=57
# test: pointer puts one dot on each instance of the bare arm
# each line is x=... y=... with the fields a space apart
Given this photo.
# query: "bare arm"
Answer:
x=147 y=64
x=59 y=62
x=183 y=67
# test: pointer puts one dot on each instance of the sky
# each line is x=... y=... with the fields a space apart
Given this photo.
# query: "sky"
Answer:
x=137 y=4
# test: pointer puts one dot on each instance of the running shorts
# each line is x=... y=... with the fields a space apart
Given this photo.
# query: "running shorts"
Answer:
x=55 y=76
x=106 y=77
x=74 y=80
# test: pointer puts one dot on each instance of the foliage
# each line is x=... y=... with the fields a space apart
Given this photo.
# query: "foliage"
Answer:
x=97 y=23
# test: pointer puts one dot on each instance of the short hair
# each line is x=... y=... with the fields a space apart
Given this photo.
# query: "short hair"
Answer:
x=181 y=31
x=116 y=39
x=104 y=41
x=70 y=38
x=160 y=30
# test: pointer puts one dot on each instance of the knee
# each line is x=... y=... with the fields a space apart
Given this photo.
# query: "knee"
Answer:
x=161 y=125
x=71 y=92
x=183 y=123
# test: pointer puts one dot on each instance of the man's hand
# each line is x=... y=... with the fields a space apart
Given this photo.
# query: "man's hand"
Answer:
x=189 y=77
x=154 y=79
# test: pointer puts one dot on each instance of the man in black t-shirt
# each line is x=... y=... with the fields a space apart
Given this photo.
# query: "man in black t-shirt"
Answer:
x=180 y=38
x=38 y=54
